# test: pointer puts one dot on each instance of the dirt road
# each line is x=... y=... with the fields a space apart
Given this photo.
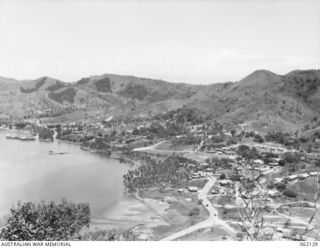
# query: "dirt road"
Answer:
x=213 y=219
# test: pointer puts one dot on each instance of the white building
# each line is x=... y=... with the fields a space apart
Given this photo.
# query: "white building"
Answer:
x=193 y=189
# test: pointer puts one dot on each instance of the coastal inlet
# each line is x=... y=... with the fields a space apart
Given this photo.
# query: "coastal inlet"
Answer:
x=29 y=173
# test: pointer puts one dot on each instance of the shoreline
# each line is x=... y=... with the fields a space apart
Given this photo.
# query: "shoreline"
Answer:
x=67 y=141
x=140 y=214
x=147 y=212
x=82 y=148
x=122 y=217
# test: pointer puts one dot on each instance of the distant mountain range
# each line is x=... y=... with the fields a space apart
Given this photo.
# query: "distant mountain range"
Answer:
x=263 y=99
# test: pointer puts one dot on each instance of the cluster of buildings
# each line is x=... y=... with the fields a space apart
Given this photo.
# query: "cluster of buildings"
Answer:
x=301 y=176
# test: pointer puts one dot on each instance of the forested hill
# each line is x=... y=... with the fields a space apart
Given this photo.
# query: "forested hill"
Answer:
x=263 y=99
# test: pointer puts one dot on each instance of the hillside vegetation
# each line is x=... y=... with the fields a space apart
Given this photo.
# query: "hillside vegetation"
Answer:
x=262 y=100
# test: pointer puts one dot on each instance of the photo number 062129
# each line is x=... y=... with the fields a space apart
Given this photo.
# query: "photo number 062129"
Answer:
x=305 y=244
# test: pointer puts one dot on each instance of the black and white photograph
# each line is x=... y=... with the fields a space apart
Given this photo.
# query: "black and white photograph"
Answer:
x=172 y=120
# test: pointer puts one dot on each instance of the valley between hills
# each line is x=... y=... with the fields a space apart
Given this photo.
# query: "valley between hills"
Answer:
x=264 y=100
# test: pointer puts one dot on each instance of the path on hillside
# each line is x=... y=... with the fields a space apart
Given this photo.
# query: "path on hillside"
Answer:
x=148 y=147
x=154 y=148
x=199 y=147
x=213 y=219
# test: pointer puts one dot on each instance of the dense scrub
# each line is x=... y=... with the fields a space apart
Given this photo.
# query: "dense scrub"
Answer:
x=279 y=137
x=66 y=95
x=304 y=83
x=103 y=85
x=56 y=86
x=184 y=114
x=83 y=81
x=44 y=133
x=35 y=88
x=134 y=91
x=159 y=131
x=46 y=221
x=155 y=172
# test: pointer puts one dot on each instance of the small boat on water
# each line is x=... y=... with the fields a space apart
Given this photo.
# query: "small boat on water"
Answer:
x=57 y=153
x=27 y=138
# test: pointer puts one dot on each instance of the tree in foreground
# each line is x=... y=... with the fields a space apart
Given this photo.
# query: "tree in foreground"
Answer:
x=250 y=211
x=251 y=201
x=46 y=221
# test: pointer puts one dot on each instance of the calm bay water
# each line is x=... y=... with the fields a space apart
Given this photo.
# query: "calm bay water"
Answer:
x=29 y=173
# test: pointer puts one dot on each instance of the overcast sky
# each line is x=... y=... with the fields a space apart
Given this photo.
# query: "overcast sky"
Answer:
x=181 y=41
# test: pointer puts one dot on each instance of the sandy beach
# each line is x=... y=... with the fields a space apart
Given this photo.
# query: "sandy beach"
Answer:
x=132 y=213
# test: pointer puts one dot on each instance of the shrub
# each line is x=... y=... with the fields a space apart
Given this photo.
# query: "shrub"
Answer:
x=240 y=235
x=222 y=176
x=280 y=186
x=194 y=211
x=103 y=85
x=46 y=221
x=303 y=139
x=270 y=185
x=45 y=133
x=235 y=177
x=246 y=152
x=268 y=158
x=258 y=138
x=290 y=193
x=291 y=157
